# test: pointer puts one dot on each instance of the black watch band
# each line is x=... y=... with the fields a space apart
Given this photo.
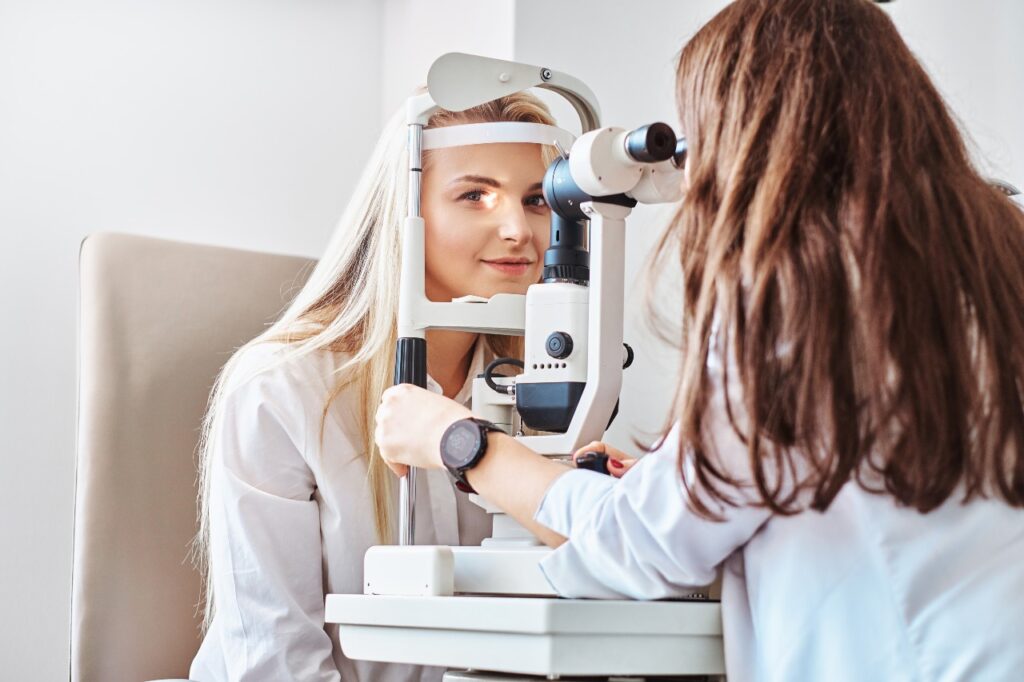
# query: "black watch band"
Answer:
x=463 y=445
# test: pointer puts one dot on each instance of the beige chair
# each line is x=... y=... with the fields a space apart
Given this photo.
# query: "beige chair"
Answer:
x=157 y=321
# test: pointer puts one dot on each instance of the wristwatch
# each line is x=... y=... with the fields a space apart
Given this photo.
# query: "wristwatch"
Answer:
x=463 y=446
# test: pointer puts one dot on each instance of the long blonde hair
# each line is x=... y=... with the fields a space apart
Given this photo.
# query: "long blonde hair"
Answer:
x=349 y=304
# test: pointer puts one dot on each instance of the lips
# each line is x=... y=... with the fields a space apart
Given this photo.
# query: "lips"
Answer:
x=510 y=266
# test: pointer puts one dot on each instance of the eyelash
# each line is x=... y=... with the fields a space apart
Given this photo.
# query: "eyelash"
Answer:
x=466 y=197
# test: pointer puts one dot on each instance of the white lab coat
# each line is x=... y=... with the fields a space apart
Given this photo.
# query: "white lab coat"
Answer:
x=291 y=519
x=864 y=591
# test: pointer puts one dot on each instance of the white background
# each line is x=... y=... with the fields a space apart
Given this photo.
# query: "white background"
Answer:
x=246 y=123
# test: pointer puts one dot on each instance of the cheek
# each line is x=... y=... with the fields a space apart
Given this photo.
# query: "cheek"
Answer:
x=443 y=237
x=441 y=229
x=453 y=248
x=541 y=226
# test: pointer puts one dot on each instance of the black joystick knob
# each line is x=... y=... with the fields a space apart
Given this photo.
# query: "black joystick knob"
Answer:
x=593 y=461
x=559 y=345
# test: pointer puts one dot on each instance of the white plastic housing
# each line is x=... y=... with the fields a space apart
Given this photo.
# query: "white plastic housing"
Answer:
x=561 y=307
x=660 y=183
x=420 y=570
x=600 y=165
x=513 y=571
x=553 y=637
x=604 y=334
x=424 y=570
x=459 y=81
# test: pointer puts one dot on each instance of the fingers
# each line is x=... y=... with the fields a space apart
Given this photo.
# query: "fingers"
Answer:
x=400 y=470
x=604 y=448
x=594 y=446
x=397 y=393
x=618 y=467
x=389 y=411
x=409 y=424
x=618 y=462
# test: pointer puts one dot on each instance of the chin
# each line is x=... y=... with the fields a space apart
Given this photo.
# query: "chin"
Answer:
x=504 y=288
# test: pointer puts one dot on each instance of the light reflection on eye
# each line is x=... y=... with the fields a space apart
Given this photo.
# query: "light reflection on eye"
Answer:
x=479 y=196
x=488 y=199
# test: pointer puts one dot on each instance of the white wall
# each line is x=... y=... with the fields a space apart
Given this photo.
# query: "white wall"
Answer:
x=244 y=124
x=974 y=51
x=235 y=123
x=416 y=32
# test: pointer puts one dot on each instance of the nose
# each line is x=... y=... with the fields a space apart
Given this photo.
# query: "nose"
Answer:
x=513 y=226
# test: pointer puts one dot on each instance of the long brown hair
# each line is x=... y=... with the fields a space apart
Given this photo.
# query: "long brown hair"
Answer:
x=868 y=283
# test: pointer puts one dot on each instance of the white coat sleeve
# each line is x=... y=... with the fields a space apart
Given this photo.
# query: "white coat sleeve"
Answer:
x=265 y=538
x=636 y=537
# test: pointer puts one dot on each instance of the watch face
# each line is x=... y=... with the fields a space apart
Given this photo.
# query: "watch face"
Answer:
x=461 y=444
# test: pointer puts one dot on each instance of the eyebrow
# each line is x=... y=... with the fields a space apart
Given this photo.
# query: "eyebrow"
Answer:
x=490 y=182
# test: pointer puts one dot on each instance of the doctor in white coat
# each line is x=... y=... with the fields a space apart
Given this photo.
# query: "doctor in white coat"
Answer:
x=847 y=438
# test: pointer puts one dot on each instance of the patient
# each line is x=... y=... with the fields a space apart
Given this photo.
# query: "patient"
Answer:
x=293 y=488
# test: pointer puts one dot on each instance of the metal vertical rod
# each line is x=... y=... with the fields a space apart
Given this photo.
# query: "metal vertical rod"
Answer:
x=407 y=484
x=415 y=168
x=407 y=508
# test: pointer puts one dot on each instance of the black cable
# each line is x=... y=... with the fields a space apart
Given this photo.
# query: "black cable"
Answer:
x=498 y=362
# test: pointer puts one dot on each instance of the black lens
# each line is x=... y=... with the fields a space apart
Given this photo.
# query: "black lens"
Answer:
x=651 y=143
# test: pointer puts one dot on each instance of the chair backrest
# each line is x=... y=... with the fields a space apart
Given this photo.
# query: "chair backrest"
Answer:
x=157 y=320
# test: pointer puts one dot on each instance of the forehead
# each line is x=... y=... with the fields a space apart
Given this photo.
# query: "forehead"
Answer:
x=506 y=162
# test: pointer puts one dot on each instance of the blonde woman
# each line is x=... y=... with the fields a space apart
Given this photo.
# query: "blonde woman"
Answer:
x=293 y=488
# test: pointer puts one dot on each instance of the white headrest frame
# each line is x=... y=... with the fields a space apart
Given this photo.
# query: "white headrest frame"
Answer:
x=497 y=132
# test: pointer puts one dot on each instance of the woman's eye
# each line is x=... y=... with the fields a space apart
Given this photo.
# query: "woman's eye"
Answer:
x=473 y=195
x=536 y=200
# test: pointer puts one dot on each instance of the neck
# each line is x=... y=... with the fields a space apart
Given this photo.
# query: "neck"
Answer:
x=448 y=357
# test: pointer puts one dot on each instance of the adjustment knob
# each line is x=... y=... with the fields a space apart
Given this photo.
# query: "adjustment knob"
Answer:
x=559 y=345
